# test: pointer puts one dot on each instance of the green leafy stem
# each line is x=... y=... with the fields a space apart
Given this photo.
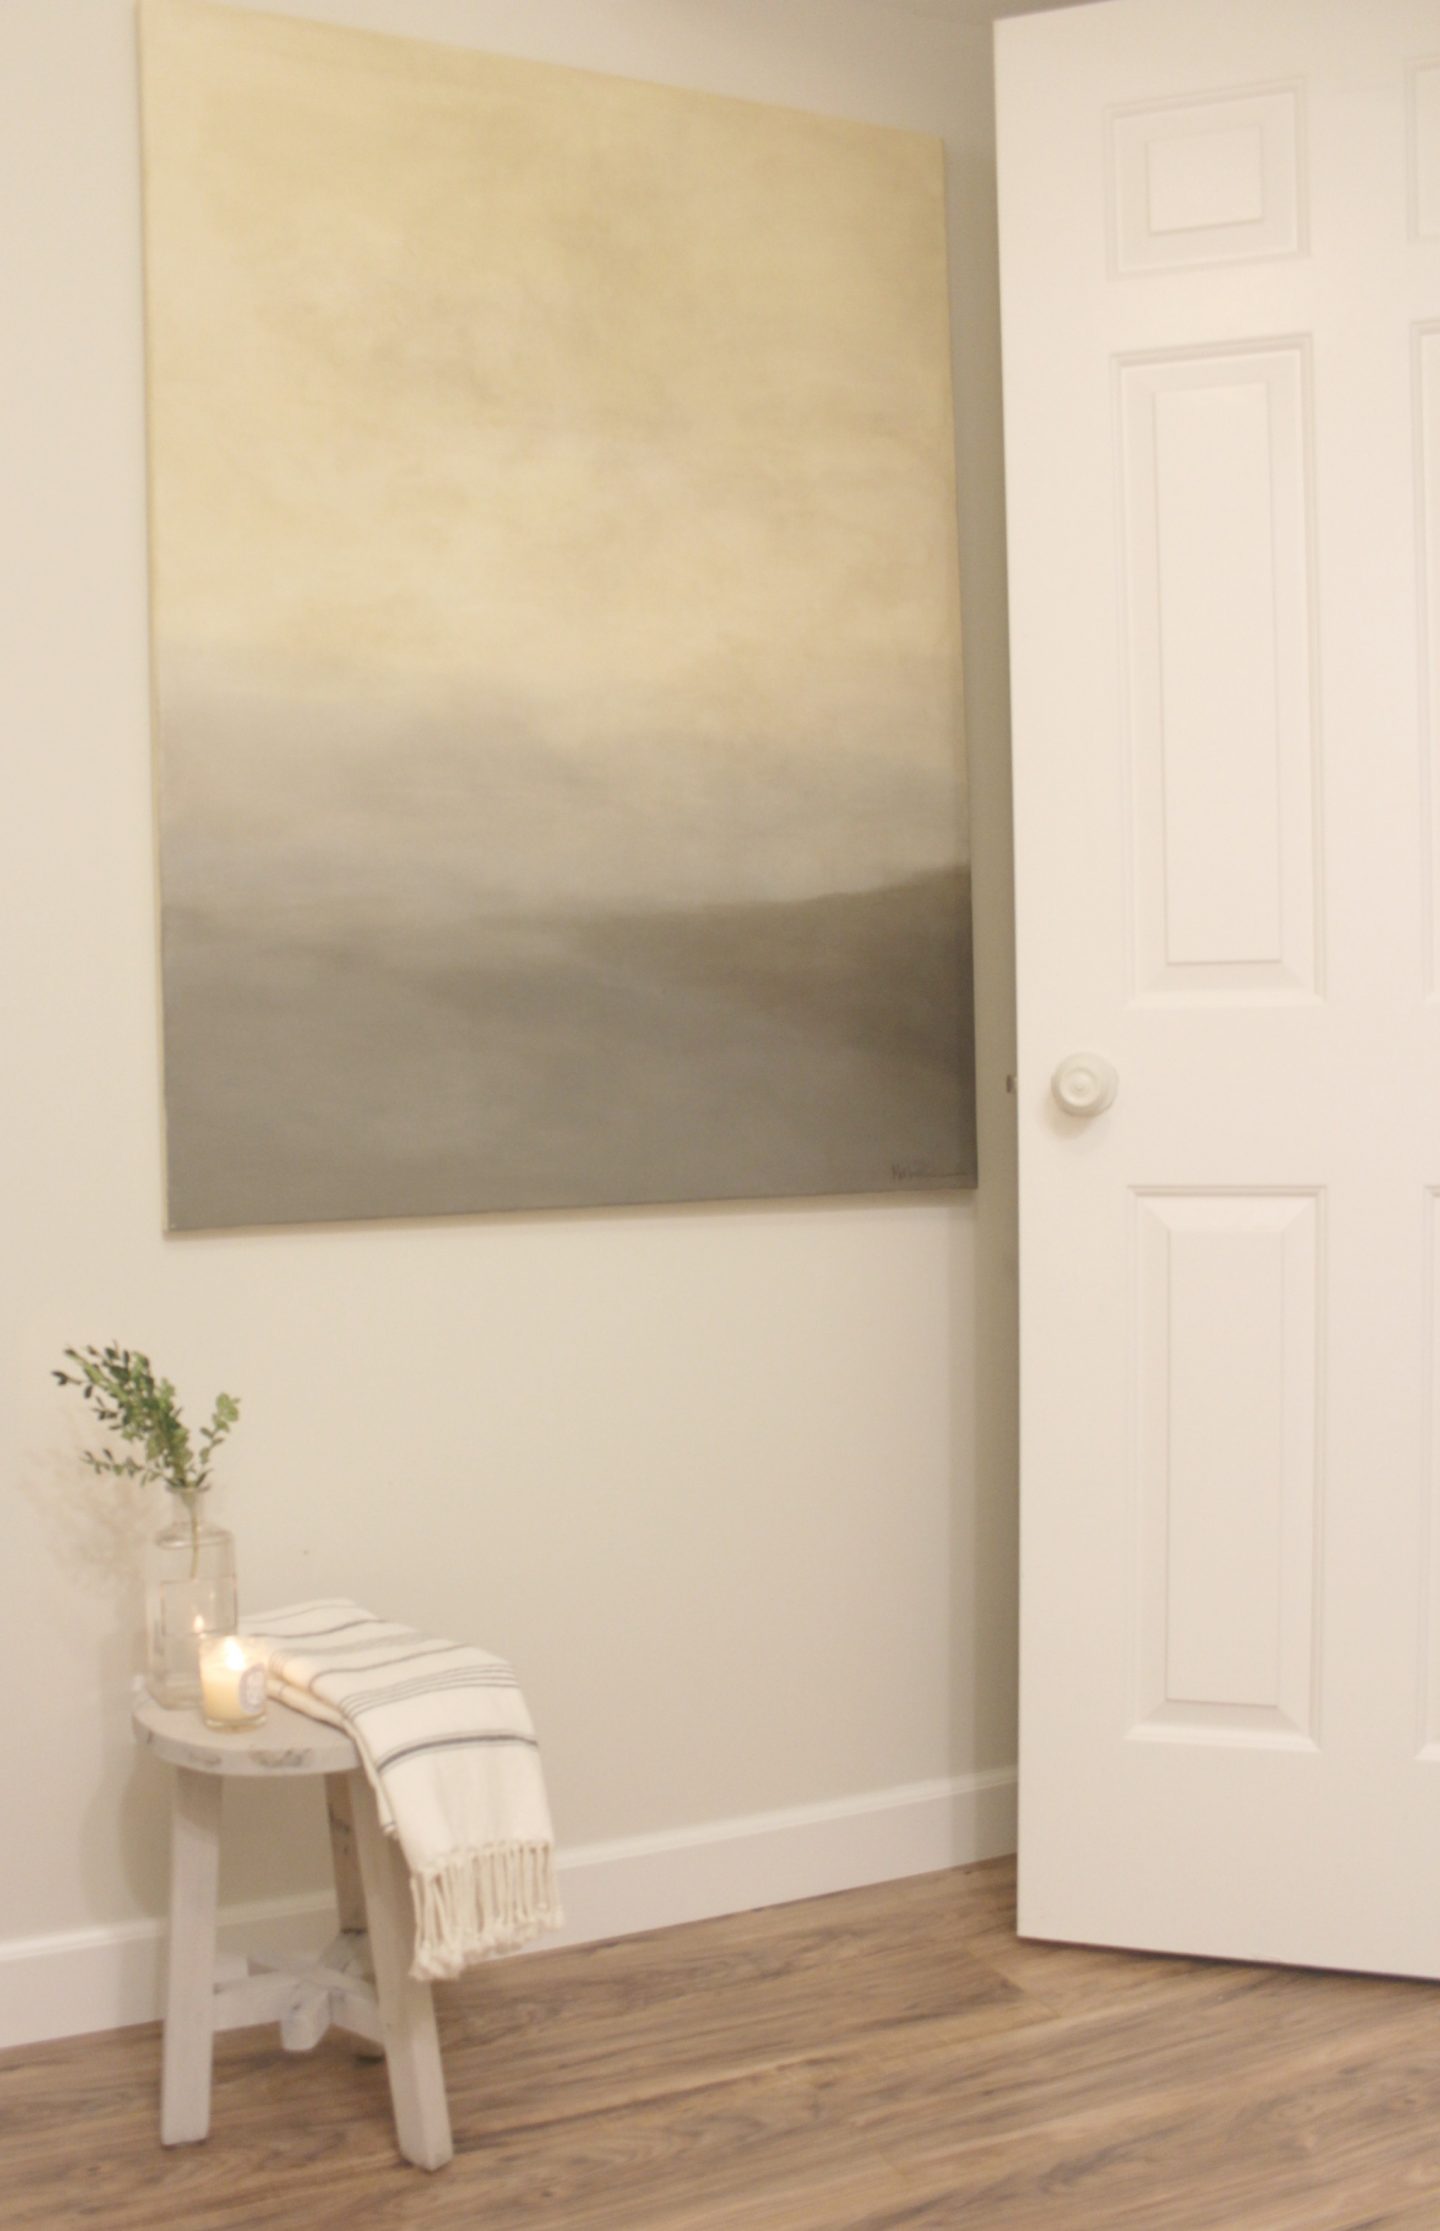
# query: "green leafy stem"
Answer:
x=127 y=1399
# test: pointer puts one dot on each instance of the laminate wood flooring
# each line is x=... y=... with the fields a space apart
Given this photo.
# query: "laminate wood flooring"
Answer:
x=890 y=2057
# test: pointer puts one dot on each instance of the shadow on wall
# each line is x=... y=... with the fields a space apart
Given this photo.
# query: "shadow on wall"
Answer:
x=96 y=1530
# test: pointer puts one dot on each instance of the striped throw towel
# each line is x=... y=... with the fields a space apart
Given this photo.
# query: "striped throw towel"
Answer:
x=449 y=1749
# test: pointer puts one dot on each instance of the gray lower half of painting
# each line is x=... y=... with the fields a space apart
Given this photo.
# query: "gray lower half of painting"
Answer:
x=555 y=613
x=366 y=1016
x=335 y=1062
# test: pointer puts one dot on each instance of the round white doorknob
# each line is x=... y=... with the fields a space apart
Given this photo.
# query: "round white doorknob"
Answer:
x=1085 y=1084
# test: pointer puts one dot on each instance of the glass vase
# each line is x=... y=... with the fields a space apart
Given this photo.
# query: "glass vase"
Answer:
x=189 y=1592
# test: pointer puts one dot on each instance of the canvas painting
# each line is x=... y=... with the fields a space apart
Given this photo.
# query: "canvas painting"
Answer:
x=555 y=637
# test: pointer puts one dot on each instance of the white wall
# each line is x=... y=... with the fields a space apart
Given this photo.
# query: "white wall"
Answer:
x=734 y=1487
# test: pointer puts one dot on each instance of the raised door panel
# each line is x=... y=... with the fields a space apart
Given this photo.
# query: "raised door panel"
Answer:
x=1424 y=150
x=1214 y=454
x=1227 y=1309
x=1427 y=476
x=1202 y=182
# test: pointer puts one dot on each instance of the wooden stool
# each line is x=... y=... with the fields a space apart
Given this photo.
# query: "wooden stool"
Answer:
x=206 y=1991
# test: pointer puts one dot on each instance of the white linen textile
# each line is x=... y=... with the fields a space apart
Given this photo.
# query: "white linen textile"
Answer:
x=449 y=1749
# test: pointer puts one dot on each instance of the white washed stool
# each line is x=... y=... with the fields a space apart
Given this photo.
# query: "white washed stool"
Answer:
x=208 y=1991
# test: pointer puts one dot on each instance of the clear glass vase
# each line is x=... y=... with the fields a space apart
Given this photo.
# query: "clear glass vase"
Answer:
x=189 y=1592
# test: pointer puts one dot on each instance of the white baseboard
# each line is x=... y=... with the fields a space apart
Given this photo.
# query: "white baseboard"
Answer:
x=107 y=1978
x=768 y=1859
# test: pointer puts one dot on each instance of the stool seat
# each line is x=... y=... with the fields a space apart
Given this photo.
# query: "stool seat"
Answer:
x=360 y=1983
x=286 y=1742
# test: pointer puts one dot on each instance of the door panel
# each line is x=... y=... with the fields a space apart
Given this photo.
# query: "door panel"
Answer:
x=1196 y=182
x=1227 y=1293
x=1213 y=455
x=1426 y=373
x=1423 y=121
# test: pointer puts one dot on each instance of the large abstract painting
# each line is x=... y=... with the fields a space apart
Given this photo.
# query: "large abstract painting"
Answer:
x=556 y=636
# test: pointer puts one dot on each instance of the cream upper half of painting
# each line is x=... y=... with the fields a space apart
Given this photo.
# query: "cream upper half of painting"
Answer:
x=483 y=381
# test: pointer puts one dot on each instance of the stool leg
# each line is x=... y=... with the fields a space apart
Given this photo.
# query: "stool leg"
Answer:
x=349 y=1890
x=190 y=1978
x=351 y=1951
x=407 y=2011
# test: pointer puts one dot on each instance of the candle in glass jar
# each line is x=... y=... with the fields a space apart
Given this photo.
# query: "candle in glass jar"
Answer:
x=232 y=1681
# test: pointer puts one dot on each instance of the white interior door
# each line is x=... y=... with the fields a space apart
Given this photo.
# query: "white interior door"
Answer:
x=1221 y=259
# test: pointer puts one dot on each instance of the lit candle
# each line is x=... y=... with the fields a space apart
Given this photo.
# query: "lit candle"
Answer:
x=232 y=1681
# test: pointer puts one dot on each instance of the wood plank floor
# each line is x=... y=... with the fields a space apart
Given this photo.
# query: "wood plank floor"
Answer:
x=888 y=2057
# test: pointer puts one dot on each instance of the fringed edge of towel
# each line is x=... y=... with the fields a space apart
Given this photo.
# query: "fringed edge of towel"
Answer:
x=478 y=1903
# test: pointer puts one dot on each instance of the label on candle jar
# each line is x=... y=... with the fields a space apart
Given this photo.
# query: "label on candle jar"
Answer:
x=251 y=1691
